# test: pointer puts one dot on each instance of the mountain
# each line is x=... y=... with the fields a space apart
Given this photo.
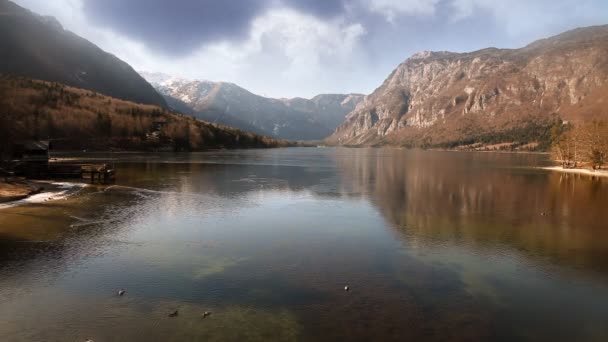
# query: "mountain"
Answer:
x=487 y=96
x=229 y=104
x=328 y=109
x=74 y=118
x=38 y=47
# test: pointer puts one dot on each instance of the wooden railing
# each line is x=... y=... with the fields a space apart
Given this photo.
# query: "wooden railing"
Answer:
x=97 y=172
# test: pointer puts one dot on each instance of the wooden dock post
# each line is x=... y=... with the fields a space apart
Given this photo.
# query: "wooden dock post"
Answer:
x=100 y=173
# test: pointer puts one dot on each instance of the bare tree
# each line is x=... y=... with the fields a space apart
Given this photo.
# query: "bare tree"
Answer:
x=594 y=138
x=585 y=143
x=566 y=143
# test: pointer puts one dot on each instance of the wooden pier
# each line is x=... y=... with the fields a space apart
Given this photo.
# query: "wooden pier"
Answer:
x=32 y=159
x=100 y=172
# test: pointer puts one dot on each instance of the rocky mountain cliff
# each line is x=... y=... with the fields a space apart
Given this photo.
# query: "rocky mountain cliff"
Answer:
x=229 y=104
x=491 y=95
x=38 y=47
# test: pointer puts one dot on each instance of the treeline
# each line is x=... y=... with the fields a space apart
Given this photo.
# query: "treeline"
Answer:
x=531 y=136
x=73 y=118
x=581 y=144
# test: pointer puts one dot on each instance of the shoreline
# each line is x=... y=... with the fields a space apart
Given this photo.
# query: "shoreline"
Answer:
x=588 y=172
x=432 y=149
x=16 y=190
x=21 y=192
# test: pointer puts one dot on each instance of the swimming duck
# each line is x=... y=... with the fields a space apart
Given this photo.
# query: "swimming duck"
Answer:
x=121 y=292
x=206 y=313
x=174 y=314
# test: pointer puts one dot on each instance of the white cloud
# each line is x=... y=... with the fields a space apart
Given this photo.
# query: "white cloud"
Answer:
x=304 y=46
x=304 y=40
x=391 y=9
x=525 y=17
x=286 y=54
x=462 y=9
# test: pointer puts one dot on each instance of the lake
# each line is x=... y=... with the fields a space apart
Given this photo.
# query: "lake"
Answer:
x=440 y=246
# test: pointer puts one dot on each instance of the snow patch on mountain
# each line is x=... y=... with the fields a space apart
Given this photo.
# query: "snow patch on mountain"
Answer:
x=296 y=119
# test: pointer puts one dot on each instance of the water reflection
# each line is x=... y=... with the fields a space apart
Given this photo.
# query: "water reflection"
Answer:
x=434 y=245
x=486 y=200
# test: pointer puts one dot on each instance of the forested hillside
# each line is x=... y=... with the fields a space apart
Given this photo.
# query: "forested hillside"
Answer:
x=74 y=118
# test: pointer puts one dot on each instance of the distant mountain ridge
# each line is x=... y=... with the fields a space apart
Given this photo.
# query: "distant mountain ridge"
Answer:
x=490 y=95
x=38 y=47
x=230 y=104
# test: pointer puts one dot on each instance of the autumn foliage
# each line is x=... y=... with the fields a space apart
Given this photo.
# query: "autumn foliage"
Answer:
x=581 y=144
x=73 y=118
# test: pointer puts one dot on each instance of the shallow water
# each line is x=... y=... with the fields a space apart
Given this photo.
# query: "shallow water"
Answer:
x=433 y=245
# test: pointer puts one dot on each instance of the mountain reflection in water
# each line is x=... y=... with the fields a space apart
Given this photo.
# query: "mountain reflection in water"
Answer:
x=433 y=245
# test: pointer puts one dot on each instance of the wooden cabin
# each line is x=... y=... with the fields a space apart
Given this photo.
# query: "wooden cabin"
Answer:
x=32 y=157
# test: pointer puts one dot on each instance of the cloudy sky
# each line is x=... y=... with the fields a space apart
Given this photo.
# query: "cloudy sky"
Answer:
x=287 y=48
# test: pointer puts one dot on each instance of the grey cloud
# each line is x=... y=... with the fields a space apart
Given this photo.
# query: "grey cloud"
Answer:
x=319 y=8
x=180 y=26
x=175 y=27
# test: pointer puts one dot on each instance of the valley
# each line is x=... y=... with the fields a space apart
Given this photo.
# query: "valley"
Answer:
x=229 y=104
x=225 y=170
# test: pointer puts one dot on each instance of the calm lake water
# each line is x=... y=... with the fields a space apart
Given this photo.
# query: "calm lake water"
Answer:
x=439 y=246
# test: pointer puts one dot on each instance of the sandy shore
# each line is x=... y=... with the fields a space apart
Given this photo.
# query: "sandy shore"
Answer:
x=15 y=190
x=589 y=172
x=19 y=192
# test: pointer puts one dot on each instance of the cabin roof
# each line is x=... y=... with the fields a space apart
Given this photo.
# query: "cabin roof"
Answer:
x=35 y=145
